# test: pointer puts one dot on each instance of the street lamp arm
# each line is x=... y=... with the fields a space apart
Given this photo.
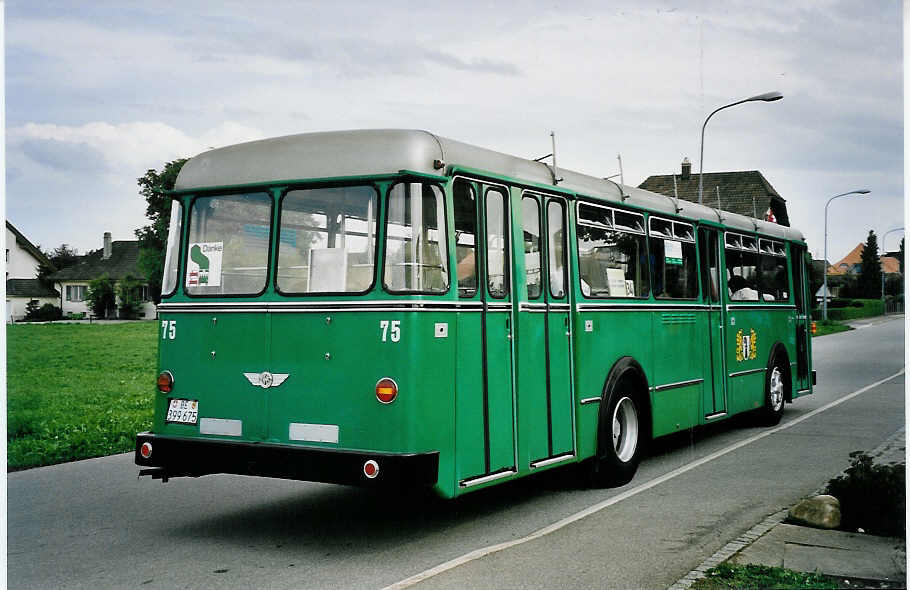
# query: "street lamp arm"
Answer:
x=862 y=191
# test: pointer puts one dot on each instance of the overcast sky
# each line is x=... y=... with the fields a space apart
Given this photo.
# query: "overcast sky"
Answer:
x=99 y=92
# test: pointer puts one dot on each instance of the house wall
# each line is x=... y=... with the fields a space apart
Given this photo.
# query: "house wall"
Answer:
x=20 y=264
x=146 y=311
x=15 y=306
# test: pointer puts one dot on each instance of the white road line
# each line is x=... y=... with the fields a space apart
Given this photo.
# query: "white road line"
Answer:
x=484 y=551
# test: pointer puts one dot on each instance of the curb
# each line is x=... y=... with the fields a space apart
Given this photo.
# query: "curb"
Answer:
x=753 y=534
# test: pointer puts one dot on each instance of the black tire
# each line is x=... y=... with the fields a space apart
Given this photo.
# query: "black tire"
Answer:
x=775 y=392
x=621 y=437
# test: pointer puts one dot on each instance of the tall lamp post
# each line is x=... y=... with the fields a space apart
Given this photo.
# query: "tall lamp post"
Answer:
x=766 y=97
x=890 y=231
x=863 y=191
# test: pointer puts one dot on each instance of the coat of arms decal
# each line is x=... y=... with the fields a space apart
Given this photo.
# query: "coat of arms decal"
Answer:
x=745 y=346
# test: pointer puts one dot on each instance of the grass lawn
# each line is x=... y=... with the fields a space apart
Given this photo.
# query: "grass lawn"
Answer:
x=760 y=576
x=829 y=327
x=76 y=391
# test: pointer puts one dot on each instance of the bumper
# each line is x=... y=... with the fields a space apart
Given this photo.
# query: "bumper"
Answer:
x=191 y=457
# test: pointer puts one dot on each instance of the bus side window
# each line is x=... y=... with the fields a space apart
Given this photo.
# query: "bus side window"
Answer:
x=530 y=219
x=465 y=238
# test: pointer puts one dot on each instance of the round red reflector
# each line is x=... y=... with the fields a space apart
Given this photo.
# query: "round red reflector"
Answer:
x=146 y=450
x=165 y=382
x=386 y=390
x=371 y=469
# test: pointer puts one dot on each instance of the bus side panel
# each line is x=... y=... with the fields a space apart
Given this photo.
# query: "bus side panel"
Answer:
x=208 y=356
x=613 y=335
x=750 y=335
x=469 y=433
x=677 y=359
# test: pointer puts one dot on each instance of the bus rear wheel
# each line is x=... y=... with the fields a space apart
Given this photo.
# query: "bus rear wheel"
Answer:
x=621 y=445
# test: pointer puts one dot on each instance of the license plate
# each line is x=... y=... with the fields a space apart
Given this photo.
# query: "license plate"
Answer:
x=182 y=411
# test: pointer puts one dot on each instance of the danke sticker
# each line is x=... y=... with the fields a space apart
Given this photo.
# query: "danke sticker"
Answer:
x=203 y=265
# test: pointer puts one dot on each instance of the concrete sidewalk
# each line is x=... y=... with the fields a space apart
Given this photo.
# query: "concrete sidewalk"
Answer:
x=874 y=561
x=859 y=324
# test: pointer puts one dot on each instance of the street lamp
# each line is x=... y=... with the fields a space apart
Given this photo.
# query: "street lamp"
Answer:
x=890 y=231
x=863 y=191
x=766 y=97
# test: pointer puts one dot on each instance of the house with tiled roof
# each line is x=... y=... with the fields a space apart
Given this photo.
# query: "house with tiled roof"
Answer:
x=852 y=263
x=22 y=285
x=116 y=260
x=747 y=193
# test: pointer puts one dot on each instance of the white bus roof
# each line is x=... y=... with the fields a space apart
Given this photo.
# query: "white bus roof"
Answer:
x=369 y=152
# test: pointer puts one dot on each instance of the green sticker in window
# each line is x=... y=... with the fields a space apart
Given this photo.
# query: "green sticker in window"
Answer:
x=673 y=252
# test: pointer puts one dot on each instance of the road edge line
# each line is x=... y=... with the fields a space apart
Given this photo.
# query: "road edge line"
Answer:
x=562 y=523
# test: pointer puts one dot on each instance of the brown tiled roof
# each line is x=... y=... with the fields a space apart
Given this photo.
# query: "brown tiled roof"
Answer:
x=29 y=288
x=737 y=190
x=122 y=263
x=850 y=263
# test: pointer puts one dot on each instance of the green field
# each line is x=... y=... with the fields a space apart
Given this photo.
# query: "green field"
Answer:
x=76 y=391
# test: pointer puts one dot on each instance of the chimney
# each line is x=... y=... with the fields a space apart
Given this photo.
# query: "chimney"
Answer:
x=107 y=245
x=686 y=168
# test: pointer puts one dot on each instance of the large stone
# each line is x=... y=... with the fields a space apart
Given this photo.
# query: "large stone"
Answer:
x=821 y=512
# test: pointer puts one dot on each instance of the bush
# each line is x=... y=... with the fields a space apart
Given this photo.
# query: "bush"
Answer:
x=101 y=296
x=46 y=313
x=128 y=292
x=871 y=496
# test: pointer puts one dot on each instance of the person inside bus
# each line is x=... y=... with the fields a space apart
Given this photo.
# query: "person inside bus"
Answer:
x=740 y=290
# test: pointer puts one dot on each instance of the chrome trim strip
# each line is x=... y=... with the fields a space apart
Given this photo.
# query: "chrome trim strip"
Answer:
x=749 y=372
x=767 y=306
x=327 y=306
x=667 y=386
x=476 y=481
x=590 y=400
x=551 y=460
x=639 y=306
x=715 y=416
x=804 y=391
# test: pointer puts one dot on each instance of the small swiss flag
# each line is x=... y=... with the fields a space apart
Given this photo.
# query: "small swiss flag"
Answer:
x=769 y=216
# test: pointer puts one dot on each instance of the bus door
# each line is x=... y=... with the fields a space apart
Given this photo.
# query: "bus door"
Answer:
x=715 y=399
x=544 y=378
x=496 y=328
x=798 y=259
x=484 y=409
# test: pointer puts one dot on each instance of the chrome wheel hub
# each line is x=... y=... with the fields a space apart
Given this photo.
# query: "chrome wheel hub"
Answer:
x=625 y=429
x=776 y=390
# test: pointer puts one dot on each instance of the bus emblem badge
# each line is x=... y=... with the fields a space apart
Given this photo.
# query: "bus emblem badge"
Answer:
x=266 y=379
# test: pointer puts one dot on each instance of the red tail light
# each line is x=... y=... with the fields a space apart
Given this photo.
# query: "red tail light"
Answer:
x=386 y=390
x=146 y=450
x=371 y=469
x=165 y=382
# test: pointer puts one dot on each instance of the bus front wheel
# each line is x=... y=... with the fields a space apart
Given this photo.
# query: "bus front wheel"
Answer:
x=775 y=392
x=621 y=443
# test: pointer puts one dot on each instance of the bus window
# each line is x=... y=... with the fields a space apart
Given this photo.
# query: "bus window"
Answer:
x=465 y=238
x=772 y=280
x=611 y=262
x=556 y=248
x=327 y=241
x=415 y=243
x=742 y=267
x=530 y=216
x=497 y=281
x=172 y=254
x=228 y=249
x=673 y=260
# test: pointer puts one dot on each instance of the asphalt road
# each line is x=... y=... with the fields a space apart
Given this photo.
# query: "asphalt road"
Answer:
x=93 y=524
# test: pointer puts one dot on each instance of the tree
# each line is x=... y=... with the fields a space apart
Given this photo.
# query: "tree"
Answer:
x=900 y=256
x=129 y=294
x=153 y=237
x=870 y=274
x=101 y=296
x=61 y=257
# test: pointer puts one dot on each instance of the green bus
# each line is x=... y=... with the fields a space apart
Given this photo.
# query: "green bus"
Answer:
x=393 y=307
